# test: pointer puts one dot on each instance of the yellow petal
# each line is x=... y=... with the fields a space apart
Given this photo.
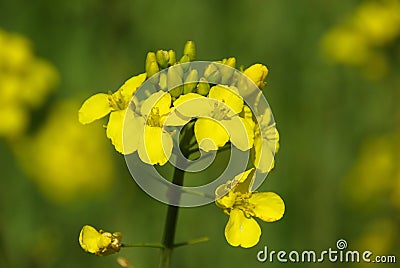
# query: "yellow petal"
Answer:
x=128 y=89
x=239 y=132
x=210 y=134
x=88 y=239
x=160 y=100
x=104 y=240
x=96 y=107
x=227 y=95
x=132 y=131
x=268 y=206
x=193 y=105
x=265 y=149
x=156 y=146
x=241 y=230
x=244 y=181
x=227 y=201
x=114 y=129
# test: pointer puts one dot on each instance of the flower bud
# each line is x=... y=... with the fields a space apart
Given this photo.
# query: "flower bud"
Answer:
x=190 y=82
x=172 y=57
x=162 y=58
x=190 y=50
x=184 y=59
x=163 y=81
x=230 y=62
x=211 y=73
x=175 y=80
x=185 y=63
x=257 y=73
x=151 y=64
x=203 y=87
x=227 y=72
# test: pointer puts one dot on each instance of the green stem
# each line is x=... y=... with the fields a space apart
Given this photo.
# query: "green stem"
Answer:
x=172 y=213
x=170 y=224
x=192 y=242
x=142 y=245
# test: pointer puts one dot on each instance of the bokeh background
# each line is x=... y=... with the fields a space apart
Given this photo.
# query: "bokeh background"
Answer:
x=334 y=88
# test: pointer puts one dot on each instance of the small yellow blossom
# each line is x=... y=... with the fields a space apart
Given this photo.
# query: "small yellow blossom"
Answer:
x=218 y=121
x=25 y=83
x=154 y=142
x=100 y=243
x=115 y=104
x=60 y=156
x=242 y=205
x=378 y=21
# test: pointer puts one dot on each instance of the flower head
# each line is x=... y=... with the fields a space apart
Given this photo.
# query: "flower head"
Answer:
x=154 y=142
x=100 y=243
x=242 y=205
x=115 y=104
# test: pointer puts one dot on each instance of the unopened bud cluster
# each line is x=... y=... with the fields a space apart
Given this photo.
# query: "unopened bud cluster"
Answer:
x=182 y=79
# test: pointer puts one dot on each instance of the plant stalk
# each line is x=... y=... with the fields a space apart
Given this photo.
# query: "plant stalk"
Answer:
x=170 y=224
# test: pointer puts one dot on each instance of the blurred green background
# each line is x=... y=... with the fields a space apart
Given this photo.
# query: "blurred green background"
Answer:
x=340 y=141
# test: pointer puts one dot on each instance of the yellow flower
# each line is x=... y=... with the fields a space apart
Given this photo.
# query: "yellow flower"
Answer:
x=257 y=73
x=154 y=142
x=100 y=242
x=266 y=142
x=115 y=104
x=345 y=46
x=25 y=83
x=242 y=205
x=379 y=21
x=59 y=157
x=218 y=121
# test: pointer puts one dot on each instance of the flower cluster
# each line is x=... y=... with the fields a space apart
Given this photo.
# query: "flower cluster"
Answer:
x=67 y=173
x=367 y=38
x=220 y=108
x=25 y=83
x=376 y=197
x=211 y=107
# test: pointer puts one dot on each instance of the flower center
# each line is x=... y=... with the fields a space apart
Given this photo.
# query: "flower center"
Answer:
x=220 y=111
x=117 y=101
x=242 y=203
x=154 y=118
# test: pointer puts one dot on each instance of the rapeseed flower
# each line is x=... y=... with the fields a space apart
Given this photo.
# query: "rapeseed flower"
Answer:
x=100 y=243
x=243 y=205
x=116 y=104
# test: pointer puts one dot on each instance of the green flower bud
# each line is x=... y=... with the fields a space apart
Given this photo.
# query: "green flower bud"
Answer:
x=212 y=74
x=172 y=57
x=230 y=62
x=163 y=81
x=190 y=50
x=203 y=87
x=162 y=58
x=226 y=72
x=184 y=59
x=175 y=80
x=151 y=64
x=190 y=82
